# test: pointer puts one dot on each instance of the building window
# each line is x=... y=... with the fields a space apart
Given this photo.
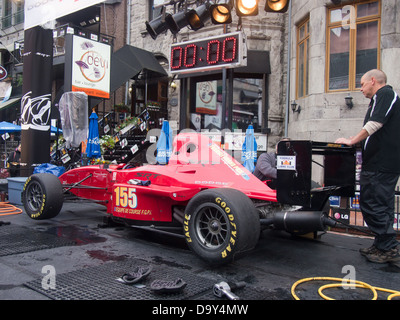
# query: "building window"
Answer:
x=353 y=41
x=155 y=7
x=13 y=13
x=206 y=104
x=303 y=39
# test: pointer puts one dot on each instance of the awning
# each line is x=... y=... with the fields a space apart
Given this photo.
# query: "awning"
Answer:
x=129 y=61
x=9 y=103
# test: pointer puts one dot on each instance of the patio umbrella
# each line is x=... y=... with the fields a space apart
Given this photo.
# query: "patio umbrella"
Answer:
x=164 y=144
x=54 y=130
x=6 y=127
x=9 y=127
x=249 y=149
x=93 y=145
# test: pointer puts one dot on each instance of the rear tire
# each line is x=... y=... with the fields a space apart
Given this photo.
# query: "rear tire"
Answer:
x=221 y=223
x=42 y=196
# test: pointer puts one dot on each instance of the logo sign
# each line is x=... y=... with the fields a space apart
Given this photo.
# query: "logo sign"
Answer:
x=91 y=67
x=286 y=162
x=3 y=73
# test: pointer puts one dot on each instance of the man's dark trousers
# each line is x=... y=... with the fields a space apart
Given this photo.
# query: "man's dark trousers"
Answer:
x=377 y=192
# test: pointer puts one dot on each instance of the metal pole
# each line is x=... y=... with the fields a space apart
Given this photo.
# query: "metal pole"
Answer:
x=289 y=56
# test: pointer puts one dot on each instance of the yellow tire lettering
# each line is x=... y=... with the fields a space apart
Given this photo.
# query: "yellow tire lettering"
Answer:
x=186 y=228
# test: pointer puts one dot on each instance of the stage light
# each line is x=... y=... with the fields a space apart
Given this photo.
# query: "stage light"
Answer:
x=157 y=26
x=221 y=13
x=176 y=22
x=276 y=5
x=198 y=17
x=246 y=7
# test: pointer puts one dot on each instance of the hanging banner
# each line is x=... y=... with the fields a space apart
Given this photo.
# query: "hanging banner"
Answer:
x=36 y=100
x=91 y=67
x=40 y=12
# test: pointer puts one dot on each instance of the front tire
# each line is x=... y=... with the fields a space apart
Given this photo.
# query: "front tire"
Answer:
x=221 y=223
x=42 y=196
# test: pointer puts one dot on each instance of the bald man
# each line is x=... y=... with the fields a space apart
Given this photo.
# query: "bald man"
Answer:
x=380 y=142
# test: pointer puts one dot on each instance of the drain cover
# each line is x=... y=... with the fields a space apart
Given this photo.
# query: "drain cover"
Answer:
x=100 y=283
x=17 y=239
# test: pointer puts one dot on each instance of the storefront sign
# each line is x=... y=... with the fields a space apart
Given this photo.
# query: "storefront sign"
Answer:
x=3 y=73
x=206 y=97
x=91 y=67
x=226 y=51
x=235 y=140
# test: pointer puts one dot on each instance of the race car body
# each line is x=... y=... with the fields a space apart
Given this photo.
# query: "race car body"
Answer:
x=150 y=192
x=215 y=202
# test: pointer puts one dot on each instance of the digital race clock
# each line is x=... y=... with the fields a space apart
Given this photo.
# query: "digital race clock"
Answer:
x=225 y=51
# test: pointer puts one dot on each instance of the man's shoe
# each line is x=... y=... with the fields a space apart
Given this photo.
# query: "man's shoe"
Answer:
x=367 y=251
x=379 y=256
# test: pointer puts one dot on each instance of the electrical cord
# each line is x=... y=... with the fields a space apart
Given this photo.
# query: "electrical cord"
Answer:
x=7 y=209
x=343 y=283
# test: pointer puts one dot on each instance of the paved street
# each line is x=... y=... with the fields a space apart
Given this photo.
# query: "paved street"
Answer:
x=87 y=259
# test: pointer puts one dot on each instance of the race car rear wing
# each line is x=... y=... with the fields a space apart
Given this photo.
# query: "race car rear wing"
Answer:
x=294 y=164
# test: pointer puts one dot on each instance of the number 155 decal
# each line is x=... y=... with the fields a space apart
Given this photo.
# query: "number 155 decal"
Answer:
x=125 y=197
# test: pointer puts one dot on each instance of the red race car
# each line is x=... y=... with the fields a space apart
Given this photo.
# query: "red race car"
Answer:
x=205 y=194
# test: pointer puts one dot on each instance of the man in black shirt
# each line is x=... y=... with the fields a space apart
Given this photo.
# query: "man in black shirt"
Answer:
x=380 y=142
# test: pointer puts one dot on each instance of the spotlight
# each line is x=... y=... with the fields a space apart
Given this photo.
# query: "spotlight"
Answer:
x=221 y=13
x=157 y=26
x=197 y=17
x=176 y=22
x=276 y=5
x=246 y=7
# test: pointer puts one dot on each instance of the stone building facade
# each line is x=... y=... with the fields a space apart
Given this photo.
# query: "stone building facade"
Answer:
x=324 y=115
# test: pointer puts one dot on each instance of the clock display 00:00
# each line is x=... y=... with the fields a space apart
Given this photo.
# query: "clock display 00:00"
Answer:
x=204 y=54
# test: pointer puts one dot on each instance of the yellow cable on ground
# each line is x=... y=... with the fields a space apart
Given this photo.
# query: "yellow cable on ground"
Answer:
x=7 y=209
x=343 y=283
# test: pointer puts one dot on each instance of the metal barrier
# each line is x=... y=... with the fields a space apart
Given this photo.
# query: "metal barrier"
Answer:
x=348 y=212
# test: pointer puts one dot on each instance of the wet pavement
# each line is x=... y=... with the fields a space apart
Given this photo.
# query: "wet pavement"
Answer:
x=73 y=256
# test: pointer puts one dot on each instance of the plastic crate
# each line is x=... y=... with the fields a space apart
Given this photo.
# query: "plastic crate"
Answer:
x=15 y=187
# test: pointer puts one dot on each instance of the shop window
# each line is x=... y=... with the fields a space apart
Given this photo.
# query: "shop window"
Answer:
x=303 y=39
x=155 y=103
x=353 y=44
x=206 y=104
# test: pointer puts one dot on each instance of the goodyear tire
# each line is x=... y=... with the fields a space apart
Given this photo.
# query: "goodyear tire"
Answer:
x=221 y=223
x=42 y=196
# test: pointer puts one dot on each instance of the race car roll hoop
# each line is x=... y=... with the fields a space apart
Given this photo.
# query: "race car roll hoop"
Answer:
x=295 y=186
x=205 y=196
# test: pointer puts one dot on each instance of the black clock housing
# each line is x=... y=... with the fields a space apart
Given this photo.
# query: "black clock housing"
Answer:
x=225 y=51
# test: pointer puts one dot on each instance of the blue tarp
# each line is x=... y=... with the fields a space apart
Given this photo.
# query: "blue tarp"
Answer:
x=49 y=168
